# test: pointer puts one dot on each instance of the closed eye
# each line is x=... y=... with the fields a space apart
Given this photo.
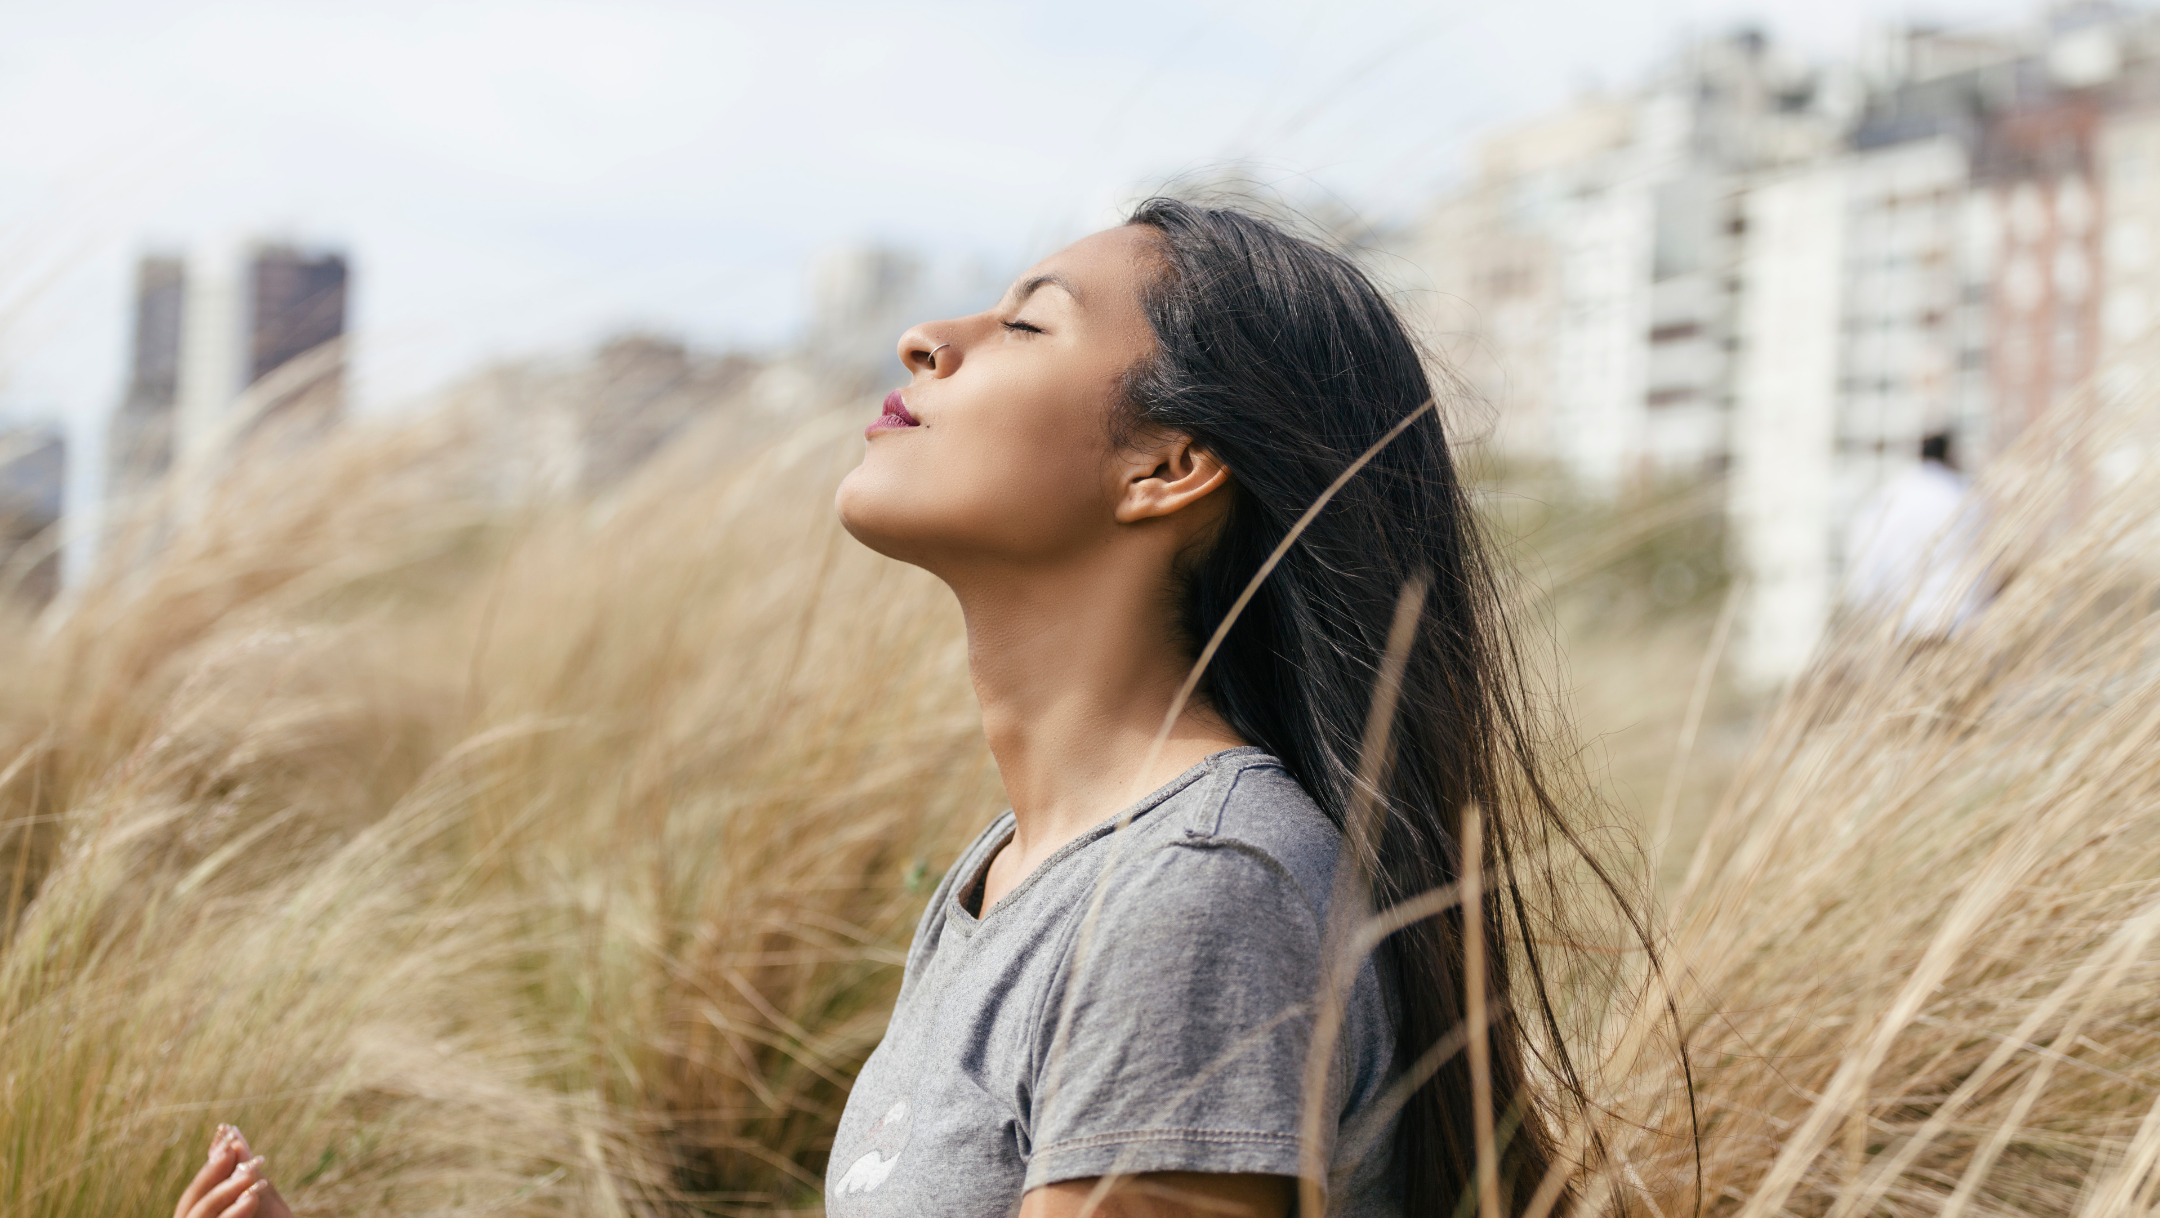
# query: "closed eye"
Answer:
x=1021 y=325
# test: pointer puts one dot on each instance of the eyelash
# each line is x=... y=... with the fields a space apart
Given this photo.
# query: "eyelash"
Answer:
x=1017 y=325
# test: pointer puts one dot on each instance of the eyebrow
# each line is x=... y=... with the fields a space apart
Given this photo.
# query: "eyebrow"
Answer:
x=1022 y=291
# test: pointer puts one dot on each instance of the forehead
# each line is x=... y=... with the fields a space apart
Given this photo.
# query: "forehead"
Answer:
x=1104 y=267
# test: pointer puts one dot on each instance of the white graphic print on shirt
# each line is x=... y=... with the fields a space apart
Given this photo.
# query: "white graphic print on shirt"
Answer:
x=886 y=1139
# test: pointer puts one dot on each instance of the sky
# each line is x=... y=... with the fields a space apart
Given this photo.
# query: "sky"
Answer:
x=511 y=179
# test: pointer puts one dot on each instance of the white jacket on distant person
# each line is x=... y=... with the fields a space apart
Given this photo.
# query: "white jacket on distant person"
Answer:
x=1911 y=545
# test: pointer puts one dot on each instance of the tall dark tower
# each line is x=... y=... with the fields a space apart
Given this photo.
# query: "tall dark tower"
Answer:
x=140 y=444
x=297 y=303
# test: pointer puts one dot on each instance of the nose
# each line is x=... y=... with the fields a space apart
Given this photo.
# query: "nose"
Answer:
x=921 y=348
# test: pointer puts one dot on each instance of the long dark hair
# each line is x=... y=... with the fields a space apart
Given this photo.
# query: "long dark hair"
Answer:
x=1280 y=356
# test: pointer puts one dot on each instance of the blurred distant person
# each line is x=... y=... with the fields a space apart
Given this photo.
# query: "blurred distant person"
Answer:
x=1191 y=488
x=1909 y=547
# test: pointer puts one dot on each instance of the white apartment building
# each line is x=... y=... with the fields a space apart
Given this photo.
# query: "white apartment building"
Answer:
x=1788 y=360
x=1794 y=277
x=2129 y=163
x=1995 y=233
x=1847 y=357
x=1491 y=296
x=1606 y=236
x=1582 y=286
x=1898 y=353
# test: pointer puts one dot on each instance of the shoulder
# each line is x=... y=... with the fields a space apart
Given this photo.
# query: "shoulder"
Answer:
x=1209 y=916
x=1241 y=831
x=1250 y=811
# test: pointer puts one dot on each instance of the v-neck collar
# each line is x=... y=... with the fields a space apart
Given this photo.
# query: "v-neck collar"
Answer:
x=1002 y=831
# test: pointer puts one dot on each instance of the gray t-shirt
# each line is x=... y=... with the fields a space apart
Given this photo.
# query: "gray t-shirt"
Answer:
x=1177 y=1043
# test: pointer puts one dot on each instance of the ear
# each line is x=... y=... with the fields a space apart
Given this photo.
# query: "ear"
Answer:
x=1165 y=475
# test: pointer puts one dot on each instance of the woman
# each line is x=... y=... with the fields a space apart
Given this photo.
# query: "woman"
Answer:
x=1153 y=986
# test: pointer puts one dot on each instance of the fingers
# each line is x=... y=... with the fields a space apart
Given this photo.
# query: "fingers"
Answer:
x=230 y=1190
x=264 y=1195
x=232 y=1183
x=246 y=1204
x=217 y=1167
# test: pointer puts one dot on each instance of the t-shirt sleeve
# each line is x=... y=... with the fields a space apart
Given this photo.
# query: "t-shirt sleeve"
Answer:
x=1178 y=1043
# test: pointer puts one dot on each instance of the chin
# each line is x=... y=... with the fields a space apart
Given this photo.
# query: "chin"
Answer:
x=870 y=516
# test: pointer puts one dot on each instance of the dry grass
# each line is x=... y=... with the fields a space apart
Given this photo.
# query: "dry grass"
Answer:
x=556 y=857
x=1918 y=939
x=545 y=859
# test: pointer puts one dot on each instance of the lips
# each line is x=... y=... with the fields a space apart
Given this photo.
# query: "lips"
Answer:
x=895 y=415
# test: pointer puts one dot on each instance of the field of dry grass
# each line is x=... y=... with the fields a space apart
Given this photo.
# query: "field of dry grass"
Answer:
x=556 y=856
x=1916 y=940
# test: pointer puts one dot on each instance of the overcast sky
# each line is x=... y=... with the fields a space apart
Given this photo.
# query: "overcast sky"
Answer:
x=514 y=177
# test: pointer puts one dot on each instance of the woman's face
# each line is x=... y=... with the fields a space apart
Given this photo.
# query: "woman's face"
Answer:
x=1004 y=452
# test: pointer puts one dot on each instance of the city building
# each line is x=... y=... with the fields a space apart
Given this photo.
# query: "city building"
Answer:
x=222 y=348
x=33 y=483
x=1787 y=276
x=296 y=319
x=2045 y=187
x=584 y=425
x=1792 y=284
x=140 y=438
x=1489 y=295
x=1583 y=284
x=2128 y=162
x=1969 y=221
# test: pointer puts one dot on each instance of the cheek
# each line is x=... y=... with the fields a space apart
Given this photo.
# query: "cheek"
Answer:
x=991 y=486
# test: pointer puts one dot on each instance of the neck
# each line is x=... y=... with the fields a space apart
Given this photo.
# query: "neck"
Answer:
x=1075 y=672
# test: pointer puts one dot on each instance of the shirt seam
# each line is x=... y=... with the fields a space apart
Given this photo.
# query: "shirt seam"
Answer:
x=1200 y=1134
x=1198 y=829
x=1293 y=890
